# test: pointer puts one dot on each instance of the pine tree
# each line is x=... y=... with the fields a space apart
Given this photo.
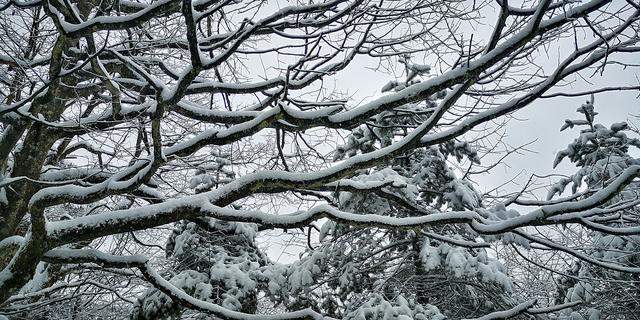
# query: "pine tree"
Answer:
x=601 y=154
x=213 y=260
x=367 y=273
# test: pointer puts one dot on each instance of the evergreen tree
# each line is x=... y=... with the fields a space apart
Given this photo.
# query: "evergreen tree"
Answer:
x=427 y=273
x=601 y=154
x=213 y=260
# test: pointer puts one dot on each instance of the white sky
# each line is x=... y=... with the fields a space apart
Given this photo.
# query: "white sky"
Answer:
x=540 y=121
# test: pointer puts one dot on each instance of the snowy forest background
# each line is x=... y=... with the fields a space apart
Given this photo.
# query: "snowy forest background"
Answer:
x=338 y=159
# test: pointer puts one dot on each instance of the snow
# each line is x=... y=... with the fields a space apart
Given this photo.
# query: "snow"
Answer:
x=508 y=313
x=377 y=307
x=461 y=205
x=38 y=281
x=594 y=314
x=106 y=20
x=456 y=261
x=576 y=316
x=236 y=280
x=300 y=279
x=464 y=263
x=127 y=217
x=326 y=229
x=193 y=108
x=12 y=241
x=210 y=136
x=430 y=256
x=62 y=174
x=187 y=279
x=221 y=311
x=462 y=194
x=95 y=255
x=202 y=201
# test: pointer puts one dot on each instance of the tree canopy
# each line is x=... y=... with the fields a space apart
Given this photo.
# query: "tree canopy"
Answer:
x=153 y=151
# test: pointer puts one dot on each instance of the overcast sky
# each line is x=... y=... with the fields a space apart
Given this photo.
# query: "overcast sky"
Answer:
x=540 y=121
